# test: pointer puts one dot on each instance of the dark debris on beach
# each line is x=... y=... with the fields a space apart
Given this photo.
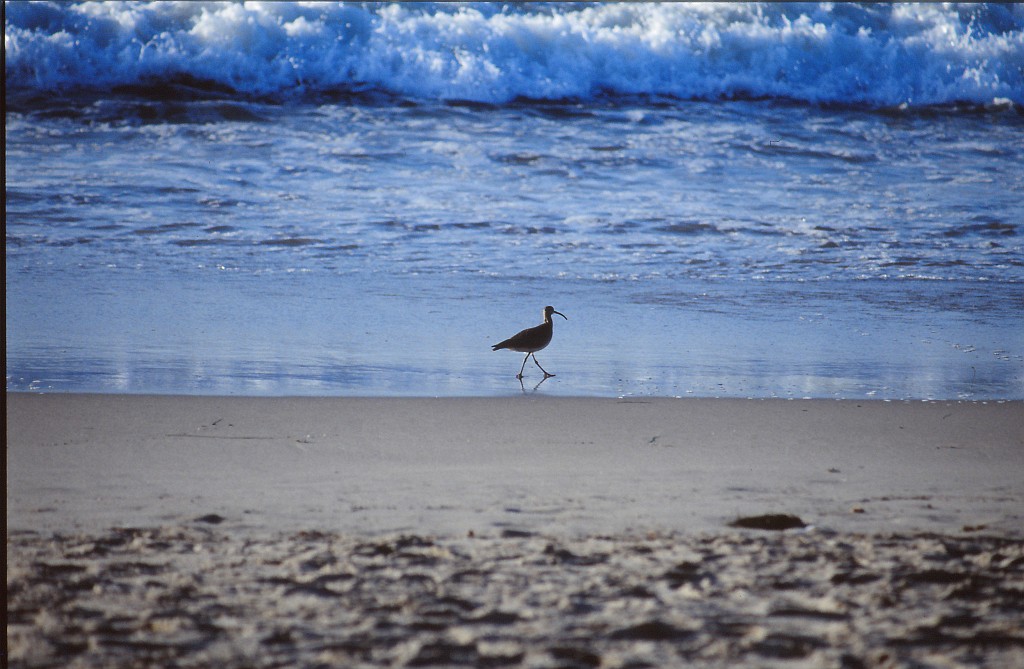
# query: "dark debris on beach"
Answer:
x=201 y=596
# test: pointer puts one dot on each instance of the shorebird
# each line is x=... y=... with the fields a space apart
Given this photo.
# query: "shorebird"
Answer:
x=531 y=340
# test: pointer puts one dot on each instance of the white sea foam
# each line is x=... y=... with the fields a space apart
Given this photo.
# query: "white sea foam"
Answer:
x=821 y=53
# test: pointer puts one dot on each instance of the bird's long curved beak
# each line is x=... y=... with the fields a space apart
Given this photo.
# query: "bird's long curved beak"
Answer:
x=560 y=314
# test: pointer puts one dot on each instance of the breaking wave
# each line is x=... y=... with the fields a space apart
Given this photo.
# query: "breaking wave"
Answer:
x=847 y=54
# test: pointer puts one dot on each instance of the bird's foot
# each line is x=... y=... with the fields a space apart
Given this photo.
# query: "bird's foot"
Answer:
x=548 y=375
x=519 y=376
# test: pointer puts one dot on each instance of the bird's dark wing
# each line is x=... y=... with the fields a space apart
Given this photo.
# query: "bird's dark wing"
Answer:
x=512 y=341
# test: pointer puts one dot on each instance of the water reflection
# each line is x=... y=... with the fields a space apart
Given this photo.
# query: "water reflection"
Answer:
x=421 y=338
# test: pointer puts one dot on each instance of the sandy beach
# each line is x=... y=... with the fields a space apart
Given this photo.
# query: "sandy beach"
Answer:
x=535 y=532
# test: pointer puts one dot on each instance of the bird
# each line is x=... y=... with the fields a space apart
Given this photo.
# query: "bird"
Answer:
x=531 y=340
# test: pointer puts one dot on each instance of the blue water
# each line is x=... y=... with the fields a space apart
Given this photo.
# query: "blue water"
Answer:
x=725 y=200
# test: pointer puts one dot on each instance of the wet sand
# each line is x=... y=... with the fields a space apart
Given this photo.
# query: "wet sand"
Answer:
x=533 y=532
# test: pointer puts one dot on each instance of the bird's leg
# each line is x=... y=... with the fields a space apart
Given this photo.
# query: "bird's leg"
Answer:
x=546 y=374
x=520 y=374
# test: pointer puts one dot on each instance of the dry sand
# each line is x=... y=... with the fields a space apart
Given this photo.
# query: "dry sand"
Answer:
x=537 y=532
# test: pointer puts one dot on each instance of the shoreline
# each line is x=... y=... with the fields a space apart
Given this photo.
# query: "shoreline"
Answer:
x=448 y=466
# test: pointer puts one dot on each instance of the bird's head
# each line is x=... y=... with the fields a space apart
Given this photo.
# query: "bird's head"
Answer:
x=548 y=310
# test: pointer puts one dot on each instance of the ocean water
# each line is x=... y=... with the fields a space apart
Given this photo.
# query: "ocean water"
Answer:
x=792 y=200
